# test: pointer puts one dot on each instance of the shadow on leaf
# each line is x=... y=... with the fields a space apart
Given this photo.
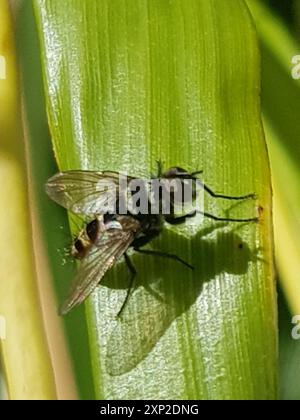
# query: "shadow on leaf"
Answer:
x=163 y=294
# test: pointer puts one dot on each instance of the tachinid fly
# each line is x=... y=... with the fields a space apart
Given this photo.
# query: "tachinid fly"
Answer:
x=110 y=234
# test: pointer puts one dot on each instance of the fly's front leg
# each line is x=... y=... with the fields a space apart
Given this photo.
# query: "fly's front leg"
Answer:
x=173 y=220
x=228 y=197
x=159 y=168
x=227 y=219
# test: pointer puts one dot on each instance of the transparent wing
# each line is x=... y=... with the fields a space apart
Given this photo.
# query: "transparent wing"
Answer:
x=102 y=256
x=85 y=192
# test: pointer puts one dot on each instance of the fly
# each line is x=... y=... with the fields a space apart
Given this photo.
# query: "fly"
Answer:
x=108 y=236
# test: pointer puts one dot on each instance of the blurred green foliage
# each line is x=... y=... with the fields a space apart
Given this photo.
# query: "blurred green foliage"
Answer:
x=53 y=219
x=279 y=33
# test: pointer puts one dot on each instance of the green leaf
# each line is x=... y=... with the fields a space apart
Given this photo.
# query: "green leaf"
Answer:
x=128 y=83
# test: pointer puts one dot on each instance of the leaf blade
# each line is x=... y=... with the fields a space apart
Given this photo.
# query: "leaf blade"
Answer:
x=172 y=81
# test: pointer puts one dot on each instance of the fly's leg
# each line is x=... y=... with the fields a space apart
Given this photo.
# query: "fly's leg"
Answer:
x=159 y=168
x=177 y=220
x=164 y=255
x=195 y=173
x=173 y=220
x=227 y=197
x=227 y=219
x=133 y=273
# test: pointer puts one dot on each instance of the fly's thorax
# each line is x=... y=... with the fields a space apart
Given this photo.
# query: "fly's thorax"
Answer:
x=172 y=192
x=150 y=228
x=151 y=224
x=128 y=223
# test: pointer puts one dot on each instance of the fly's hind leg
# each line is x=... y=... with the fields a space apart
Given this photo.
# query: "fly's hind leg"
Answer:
x=133 y=273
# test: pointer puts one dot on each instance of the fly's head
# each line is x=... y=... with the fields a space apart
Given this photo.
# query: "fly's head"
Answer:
x=181 y=185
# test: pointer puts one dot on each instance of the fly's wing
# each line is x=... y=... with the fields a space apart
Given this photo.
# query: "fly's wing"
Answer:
x=112 y=244
x=85 y=192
